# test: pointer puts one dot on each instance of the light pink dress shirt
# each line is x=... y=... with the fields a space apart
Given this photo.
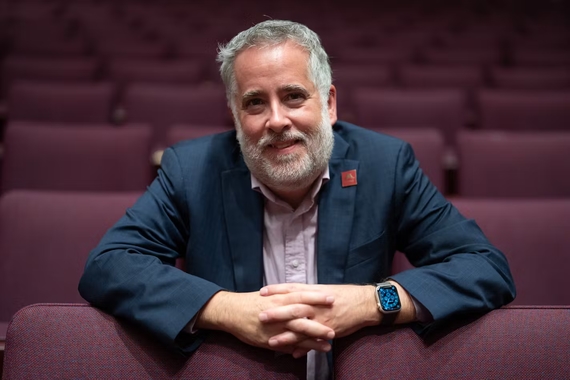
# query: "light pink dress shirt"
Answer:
x=289 y=246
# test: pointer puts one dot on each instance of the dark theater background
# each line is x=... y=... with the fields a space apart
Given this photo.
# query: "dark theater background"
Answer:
x=99 y=88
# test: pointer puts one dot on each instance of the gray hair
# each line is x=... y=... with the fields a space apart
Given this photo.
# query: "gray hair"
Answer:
x=275 y=32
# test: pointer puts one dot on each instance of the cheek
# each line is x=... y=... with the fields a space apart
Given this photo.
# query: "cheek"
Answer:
x=250 y=129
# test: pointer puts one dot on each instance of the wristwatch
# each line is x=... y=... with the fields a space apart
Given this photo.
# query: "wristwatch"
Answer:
x=388 y=302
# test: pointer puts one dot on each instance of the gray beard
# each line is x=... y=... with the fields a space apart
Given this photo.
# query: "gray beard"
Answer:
x=294 y=171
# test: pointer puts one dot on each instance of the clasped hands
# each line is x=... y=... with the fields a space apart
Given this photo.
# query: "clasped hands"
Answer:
x=292 y=318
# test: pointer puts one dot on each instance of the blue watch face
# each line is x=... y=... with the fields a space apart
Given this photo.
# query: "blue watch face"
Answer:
x=389 y=298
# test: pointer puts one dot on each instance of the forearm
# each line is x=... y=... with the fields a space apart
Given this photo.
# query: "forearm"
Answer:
x=218 y=313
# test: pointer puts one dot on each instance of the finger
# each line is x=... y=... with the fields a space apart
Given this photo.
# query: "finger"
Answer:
x=310 y=328
x=284 y=288
x=278 y=342
x=301 y=329
x=309 y=297
x=299 y=352
x=287 y=313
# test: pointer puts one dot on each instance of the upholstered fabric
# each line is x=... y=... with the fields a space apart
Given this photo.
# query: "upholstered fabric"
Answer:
x=524 y=110
x=61 y=102
x=534 y=235
x=85 y=158
x=45 y=238
x=162 y=105
x=513 y=164
x=509 y=343
x=444 y=109
x=181 y=132
x=75 y=341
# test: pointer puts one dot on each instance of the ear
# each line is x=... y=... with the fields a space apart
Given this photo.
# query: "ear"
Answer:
x=331 y=104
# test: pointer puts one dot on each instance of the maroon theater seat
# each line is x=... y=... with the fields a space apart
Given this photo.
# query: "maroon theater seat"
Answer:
x=451 y=76
x=347 y=76
x=384 y=55
x=125 y=71
x=443 y=109
x=462 y=56
x=49 y=341
x=48 y=46
x=533 y=235
x=513 y=164
x=47 y=69
x=541 y=56
x=130 y=48
x=60 y=102
x=531 y=78
x=181 y=132
x=163 y=105
x=524 y=111
x=45 y=238
x=98 y=158
x=509 y=343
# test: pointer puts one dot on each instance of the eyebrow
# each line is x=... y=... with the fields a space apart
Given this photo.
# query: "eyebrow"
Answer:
x=286 y=88
x=294 y=88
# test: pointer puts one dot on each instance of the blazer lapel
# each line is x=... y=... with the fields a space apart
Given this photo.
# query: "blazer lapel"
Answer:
x=336 y=214
x=243 y=209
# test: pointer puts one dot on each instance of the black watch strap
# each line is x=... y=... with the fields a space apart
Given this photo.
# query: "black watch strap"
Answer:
x=388 y=319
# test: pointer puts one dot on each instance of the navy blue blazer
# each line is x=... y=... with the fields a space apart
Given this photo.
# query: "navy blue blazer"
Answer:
x=201 y=207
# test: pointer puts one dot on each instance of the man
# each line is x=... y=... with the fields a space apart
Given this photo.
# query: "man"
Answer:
x=287 y=230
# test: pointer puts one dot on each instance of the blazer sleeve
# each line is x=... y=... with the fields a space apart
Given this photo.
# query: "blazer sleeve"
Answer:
x=458 y=271
x=131 y=273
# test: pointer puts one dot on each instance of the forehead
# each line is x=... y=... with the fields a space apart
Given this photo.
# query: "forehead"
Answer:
x=262 y=67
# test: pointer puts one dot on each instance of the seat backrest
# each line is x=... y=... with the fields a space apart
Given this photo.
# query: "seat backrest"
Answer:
x=60 y=102
x=443 y=109
x=45 y=238
x=533 y=235
x=442 y=76
x=180 y=132
x=79 y=341
x=85 y=158
x=162 y=105
x=513 y=164
x=524 y=111
x=125 y=71
x=82 y=69
x=531 y=78
x=509 y=343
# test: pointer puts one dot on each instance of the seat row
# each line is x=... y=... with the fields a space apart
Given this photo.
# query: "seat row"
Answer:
x=346 y=75
x=45 y=237
x=46 y=341
x=162 y=105
x=95 y=157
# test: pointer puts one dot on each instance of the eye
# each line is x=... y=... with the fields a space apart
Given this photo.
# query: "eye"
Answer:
x=252 y=104
x=295 y=98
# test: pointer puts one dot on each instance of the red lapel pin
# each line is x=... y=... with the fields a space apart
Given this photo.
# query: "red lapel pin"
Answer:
x=349 y=178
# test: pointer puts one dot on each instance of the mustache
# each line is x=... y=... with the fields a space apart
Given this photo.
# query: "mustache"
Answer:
x=274 y=138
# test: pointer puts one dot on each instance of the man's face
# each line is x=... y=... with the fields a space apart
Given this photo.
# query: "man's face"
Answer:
x=283 y=128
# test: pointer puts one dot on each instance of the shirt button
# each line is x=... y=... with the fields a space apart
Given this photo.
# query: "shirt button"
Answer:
x=295 y=263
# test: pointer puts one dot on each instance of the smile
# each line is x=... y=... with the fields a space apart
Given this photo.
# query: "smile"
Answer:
x=284 y=145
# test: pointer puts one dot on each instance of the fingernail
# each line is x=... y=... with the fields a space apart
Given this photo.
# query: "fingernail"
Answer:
x=273 y=342
x=330 y=335
x=263 y=291
x=330 y=299
x=263 y=317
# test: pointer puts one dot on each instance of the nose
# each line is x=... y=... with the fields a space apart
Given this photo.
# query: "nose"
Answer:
x=278 y=117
